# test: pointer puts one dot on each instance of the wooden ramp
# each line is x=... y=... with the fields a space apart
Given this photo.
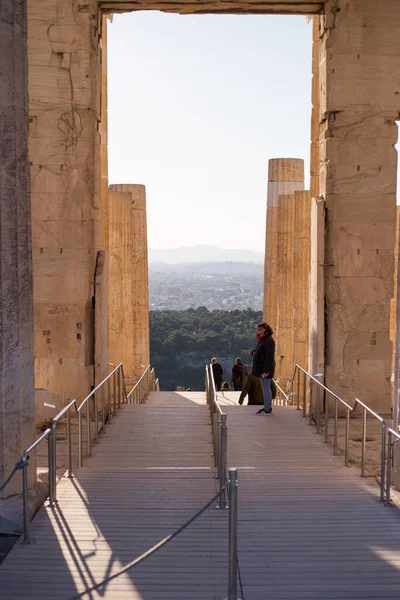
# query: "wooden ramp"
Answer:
x=308 y=527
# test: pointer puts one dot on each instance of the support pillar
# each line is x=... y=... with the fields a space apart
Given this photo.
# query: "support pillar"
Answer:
x=285 y=289
x=301 y=276
x=132 y=315
x=17 y=409
x=359 y=103
x=285 y=175
x=65 y=114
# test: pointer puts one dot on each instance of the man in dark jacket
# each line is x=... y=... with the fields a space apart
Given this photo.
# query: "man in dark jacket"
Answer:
x=239 y=375
x=252 y=388
x=264 y=363
x=217 y=373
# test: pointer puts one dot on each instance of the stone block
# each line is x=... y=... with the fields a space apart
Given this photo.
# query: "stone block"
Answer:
x=370 y=207
x=47 y=405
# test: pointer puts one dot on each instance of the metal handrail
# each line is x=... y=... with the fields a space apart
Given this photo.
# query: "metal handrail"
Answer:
x=137 y=389
x=119 y=396
x=349 y=409
x=391 y=433
x=219 y=433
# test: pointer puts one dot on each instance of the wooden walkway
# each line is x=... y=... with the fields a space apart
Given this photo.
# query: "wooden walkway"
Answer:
x=308 y=527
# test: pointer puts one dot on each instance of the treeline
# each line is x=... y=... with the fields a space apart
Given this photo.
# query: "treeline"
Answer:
x=183 y=342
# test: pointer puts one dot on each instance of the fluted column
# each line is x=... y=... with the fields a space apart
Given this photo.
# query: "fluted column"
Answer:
x=285 y=175
x=17 y=409
x=301 y=276
x=129 y=314
x=285 y=288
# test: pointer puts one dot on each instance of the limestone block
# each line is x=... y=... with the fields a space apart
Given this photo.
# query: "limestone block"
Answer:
x=367 y=346
x=372 y=207
x=47 y=405
x=379 y=263
x=350 y=179
x=362 y=235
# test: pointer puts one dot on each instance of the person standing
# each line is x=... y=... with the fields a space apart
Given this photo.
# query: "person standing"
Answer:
x=239 y=375
x=264 y=363
x=217 y=373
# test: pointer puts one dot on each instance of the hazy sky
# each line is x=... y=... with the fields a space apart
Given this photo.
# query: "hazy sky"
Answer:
x=197 y=107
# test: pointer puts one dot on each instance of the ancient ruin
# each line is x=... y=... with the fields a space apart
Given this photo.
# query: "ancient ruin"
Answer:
x=54 y=53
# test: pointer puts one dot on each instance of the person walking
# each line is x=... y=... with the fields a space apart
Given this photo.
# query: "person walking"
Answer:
x=239 y=375
x=217 y=372
x=264 y=363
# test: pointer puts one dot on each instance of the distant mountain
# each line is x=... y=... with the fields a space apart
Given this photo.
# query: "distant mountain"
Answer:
x=203 y=253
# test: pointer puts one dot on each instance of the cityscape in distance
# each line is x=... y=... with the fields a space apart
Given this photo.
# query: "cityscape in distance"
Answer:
x=182 y=278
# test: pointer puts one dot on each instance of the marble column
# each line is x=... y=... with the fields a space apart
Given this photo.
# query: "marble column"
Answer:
x=17 y=409
x=134 y=312
x=285 y=175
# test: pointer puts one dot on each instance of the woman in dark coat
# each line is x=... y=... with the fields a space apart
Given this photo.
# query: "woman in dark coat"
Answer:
x=264 y=363
x=217 y=372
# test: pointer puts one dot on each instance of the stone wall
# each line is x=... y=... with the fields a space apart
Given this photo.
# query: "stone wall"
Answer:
x=17 y=408
x=359 y=77
x=65 y=112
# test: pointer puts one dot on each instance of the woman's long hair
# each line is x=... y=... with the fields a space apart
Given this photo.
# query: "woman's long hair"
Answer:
x=266 y=327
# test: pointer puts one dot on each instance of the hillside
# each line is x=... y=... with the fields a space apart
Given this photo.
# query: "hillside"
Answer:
x=203 y=253
x=183 y=342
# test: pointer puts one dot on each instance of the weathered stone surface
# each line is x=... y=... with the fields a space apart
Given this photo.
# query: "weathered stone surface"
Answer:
x=301 y=276
x=47 y=405
x=17 y=410
x=69 y=240
x=128 y=279
x=285 y=175
x=359 y=101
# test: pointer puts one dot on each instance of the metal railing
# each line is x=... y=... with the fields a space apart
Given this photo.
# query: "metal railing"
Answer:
x=146 y=383
x=298 y=394
x=101 y=406
x=390 y=445
x=220 y=434
x=282 y=399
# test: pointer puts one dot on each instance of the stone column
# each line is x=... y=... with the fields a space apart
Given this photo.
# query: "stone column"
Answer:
x=301 y=276
x=135 y=340
x=359 y=81
x=285 y=175
x=285 y=288
x=17 y=409
x=65 y=113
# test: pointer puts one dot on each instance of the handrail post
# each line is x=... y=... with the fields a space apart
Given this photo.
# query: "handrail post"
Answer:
x=311 y=404
x=54 y=458
x=222 y=469
x=383 y=456
x=69 y=442
x=25 y=500
x=363 y=441
x=103 y=410
x=119 y=387
x=298 y=389
x=50 y=464
x=326 y=440
x=80 y=440
x=96 y=425
x=304 y=395
x=318 y=411
x=88 y=441
x=233 y=536
x=114 y=394
x=335 y=430
x=347 y=439
x=389 y=467
x=109 y=400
